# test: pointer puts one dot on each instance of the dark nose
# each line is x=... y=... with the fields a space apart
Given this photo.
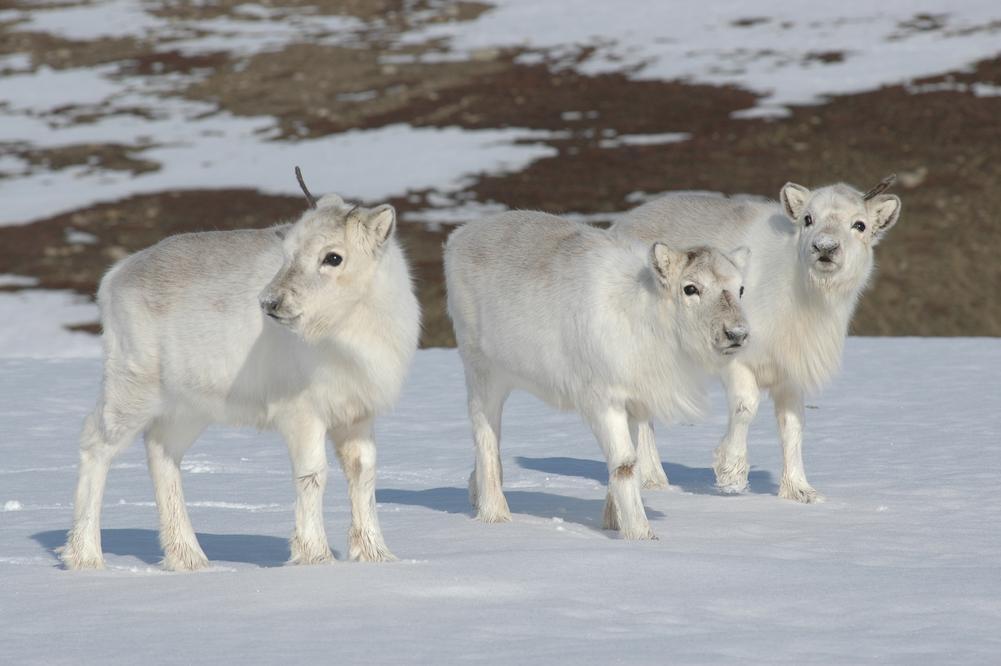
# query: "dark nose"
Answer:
x=826 y=245
x=270 y=305
x=737 y=334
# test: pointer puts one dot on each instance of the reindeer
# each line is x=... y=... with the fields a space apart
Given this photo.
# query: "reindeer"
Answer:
x=614 y=330
x=305 y=328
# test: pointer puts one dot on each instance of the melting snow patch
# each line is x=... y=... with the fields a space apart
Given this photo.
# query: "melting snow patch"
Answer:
x=15 y=62
x=77 y=237
x=271 y=33
x=454 y=213
x=255 y=29
x=644 y=139
x=773 y=54
x=112 y=19
x=47 y=89
x=225 y=151
x=37 y=319
x=977 y=89
x=8 y=280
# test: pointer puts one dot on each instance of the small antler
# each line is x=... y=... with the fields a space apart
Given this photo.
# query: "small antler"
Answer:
x=883 y=186
x=305 y=190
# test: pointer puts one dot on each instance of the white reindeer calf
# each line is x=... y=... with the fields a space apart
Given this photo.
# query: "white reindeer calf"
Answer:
x=617 y=331
x=307 y=329
x=813 y=256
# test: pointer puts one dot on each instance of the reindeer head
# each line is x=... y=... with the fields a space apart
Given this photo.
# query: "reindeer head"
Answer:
x=838 y=228
x=332 y=254
x=706 y=286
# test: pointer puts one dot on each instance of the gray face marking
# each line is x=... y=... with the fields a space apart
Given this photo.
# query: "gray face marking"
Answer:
x=714 y=304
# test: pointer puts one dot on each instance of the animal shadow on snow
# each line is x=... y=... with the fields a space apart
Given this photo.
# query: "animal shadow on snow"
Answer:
x=696 y=480
x=586 y=512
x=264 y=551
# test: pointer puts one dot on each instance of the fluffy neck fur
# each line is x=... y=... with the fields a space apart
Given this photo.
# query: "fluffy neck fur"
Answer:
x=383 y=326
x=807 y=318
x=646 y=352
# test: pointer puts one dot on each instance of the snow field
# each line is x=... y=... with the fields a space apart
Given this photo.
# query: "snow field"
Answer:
x=899 y=564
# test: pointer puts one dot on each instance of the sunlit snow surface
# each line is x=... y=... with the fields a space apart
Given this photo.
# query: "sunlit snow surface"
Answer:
x=33 y=323
x=899 y=565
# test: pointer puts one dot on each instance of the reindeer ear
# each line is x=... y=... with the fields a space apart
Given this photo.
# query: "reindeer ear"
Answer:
x=379 y=224
x=741 y=256
x=665 y=262
x=884 y=210
x=794 y=198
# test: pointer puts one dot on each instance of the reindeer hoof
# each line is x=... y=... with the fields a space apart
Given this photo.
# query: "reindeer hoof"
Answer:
x=309 y=553
x=186 y=560
x=800 y=493
x=368 y=547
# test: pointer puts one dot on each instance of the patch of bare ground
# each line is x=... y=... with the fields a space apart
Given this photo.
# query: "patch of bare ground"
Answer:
x=59 y=53
x=103 y=156
x=398 y=13
x=316 y=90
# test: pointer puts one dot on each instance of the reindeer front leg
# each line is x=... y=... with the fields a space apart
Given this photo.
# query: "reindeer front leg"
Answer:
x=624 y=509
x=790 y=414
x=742 y=395
x=307 y=449
x=355 y=448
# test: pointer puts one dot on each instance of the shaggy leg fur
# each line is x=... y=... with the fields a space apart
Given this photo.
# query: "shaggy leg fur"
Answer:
x=648 y=463
x=355 y=448
x=122 y=412
x=790 y=414
x=307 y=451
x=166 y=442
x=610 y=516
x=623 y=506
x=730 y=460
x=486 y=402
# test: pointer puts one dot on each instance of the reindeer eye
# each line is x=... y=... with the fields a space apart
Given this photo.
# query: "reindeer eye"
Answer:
x=808 y=220
x=860 y=225
x=741 y=294
x=691 y=290
x=332 y=259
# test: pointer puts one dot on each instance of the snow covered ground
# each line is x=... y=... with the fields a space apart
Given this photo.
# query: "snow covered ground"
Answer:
x=900 y=565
